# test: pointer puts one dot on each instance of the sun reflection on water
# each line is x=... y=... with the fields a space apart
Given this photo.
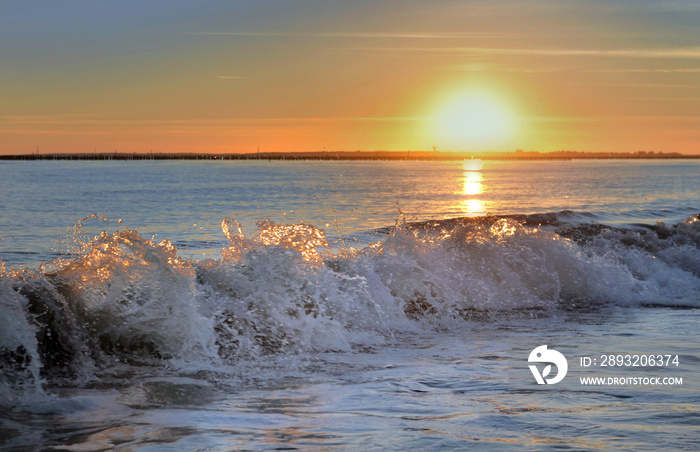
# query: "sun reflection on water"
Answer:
x=473 y=207
x=473 y=186
x=472 y=183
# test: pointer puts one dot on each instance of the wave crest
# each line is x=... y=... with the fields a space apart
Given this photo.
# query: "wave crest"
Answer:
x=126 y=299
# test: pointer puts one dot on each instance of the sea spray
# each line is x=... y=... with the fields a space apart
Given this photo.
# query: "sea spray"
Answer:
x=137 y=298
x=20 y=363
x=272 y=292
x=281 y=291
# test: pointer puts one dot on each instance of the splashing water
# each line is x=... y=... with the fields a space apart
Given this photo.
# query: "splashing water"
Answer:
x=129 y=300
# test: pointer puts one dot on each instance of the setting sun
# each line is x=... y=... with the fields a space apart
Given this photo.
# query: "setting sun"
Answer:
x=475 y=119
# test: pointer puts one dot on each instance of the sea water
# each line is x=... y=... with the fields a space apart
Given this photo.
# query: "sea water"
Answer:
x=226 y=305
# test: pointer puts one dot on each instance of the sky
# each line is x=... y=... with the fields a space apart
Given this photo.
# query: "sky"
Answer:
x=312 y=75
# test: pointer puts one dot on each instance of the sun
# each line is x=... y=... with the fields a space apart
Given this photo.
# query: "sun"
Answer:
x=474 y=119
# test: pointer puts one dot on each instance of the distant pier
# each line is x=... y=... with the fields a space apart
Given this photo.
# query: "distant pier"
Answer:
x=354 y=155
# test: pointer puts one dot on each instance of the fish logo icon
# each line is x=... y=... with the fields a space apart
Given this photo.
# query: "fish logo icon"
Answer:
x=549 y=357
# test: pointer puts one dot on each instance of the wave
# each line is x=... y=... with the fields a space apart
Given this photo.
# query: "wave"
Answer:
x=121 y=299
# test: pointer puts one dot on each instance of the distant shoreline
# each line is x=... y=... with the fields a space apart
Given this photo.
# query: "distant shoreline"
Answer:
x=356 y=155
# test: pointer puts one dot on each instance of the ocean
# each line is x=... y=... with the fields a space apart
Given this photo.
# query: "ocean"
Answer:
x=349 y=305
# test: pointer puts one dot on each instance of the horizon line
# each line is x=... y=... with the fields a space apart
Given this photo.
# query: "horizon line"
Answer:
x=354 y=155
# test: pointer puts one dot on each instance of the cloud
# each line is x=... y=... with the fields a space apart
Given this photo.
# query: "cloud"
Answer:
x=360 y=35
x=640 y=85
x=661 y=71
x=621 y=118
x=674 y=52
x=678 y=52
x=492 y=67
x=92 y=120
x=665 y=98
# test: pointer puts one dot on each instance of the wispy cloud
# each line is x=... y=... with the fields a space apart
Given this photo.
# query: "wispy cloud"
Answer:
x=621 y=118
x=360 y=35
x=570 y=68
x=680 y=52
x=693 y=99
x=637 y=85
x=673 y=52
x=661 y=71
x=92 y=120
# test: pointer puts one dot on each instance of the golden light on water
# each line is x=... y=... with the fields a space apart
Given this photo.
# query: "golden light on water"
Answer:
x=472 y=183
x=473 y=207
x=473 y=165
x=473 y=186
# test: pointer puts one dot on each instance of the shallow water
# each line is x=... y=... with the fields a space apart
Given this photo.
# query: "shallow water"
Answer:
x=326 y=327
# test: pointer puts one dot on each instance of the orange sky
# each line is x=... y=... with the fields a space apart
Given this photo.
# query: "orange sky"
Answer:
x=229 y=76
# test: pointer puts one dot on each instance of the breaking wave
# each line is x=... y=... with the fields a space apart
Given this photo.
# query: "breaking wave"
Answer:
x=123 y=300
